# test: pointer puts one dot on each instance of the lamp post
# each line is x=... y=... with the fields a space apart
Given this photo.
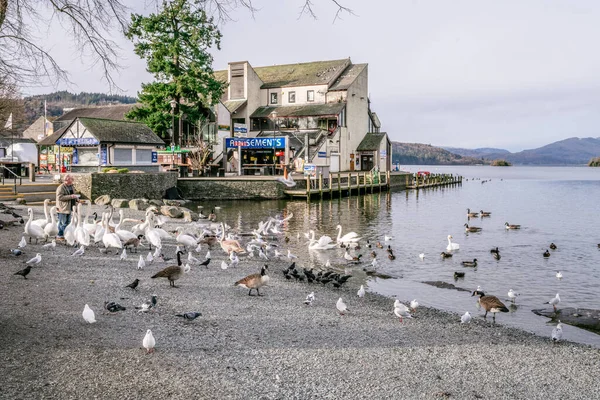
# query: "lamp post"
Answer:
x=273 y=117
x=173 y=104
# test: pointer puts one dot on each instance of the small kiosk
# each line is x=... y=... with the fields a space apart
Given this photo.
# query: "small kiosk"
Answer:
x=257 y=156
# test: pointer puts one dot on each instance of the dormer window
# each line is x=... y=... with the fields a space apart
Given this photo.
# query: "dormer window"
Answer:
x=291 y=97
x=274 y=98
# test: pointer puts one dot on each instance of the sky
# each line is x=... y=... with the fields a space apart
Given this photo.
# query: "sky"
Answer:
x=508 y=74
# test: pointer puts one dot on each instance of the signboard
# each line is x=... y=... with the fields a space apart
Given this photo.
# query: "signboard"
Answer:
x=240 y=128
x=154 y=157
x=322 y=154
x=277 y=142
x=383 y=153
x=77 y=141
x=224 y=127
x=310 y=170
x=103 y=154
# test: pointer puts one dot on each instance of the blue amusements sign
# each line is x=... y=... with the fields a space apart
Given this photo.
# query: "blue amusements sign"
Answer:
x=277 y=142
x=70 y=142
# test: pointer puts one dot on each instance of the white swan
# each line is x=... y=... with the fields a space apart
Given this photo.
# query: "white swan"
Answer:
x=69 y=232
x=43 y=221
x=122 y=233
x=350 y=237
x=32 y=230
x=185 y=240
x=51 y=229
x=289 y=181
x=230 y=244
x=89 y=227
x=324 y=242
x=110 y=239
x=81 y=235
x=152 y=235
x=100 y=230
x=451 y=245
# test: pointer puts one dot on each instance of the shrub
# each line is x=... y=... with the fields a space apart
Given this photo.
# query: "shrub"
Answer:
x=122 y=171
x=500 y=163
x=105 y=170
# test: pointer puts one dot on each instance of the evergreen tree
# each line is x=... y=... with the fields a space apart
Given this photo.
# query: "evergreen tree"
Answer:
x=175 y=43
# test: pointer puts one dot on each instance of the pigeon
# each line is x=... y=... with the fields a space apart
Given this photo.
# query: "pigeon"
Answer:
x=466 y=318
x=224 y=265
x=146 y=306
x=554 y=302
x=149 y=258
x=192 y=259
x=205 y=263
x=88 y=314
x=35 y=260
x=134 y=284
x=141 y=263
x=341 y=306
x=22 y=243
x=50 y=246
x=557 y=333
x=79 y=251
x=361 y=291
x=310 y=298
x=189 y=316
x=24 y=272
x=123 y=255
x=113 y=307
x=16 y=252
x=149 y=342
x=414 y=304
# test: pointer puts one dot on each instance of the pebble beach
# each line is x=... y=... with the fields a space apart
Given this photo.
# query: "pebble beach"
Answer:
x=250 y=347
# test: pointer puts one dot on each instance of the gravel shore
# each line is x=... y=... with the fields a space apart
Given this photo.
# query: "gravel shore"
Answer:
x=242 y=347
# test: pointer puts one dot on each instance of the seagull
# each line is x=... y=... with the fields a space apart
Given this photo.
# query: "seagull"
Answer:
x=557 y=333
x=224 y=265
x=22 y=243
x=328 y=264
x=310 y=298
x=554 y=302
x=291 y=256
x=157 y=252
x=341 y=306
x=512 y=295
x=192 y=259
x=234 y=259
x=207 y=256
x=388 y=238
x=35 y=260
x=79 y=251
x=422 y=256
x=374 y=263
x=402 y=311
x=88 y=314
x=414 y=304
x=50 y=246
x=189 y=316
x=141 y=263
x=149 y=258
x=466 y=318
x=361 y=292
x=149 y=342
x=559 y=275
x=123 y=255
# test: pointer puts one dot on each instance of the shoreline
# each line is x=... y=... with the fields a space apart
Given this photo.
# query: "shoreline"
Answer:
x=253 y=347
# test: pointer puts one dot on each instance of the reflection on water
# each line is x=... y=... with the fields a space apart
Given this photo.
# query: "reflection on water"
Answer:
x=551 y=204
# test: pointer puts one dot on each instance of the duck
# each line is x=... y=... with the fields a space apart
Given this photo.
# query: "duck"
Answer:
x=472 y=228
x=446 y=255
x=546 y=254
x=451 y=245
x=509 y=226
x=172 y=273
x=471 y=214
x=470 y=263
x=459 y=275
x=380 y=246
x=552 y=246
x=485 y=213
x=391 y=256
x=254 y=281
x=490 y=303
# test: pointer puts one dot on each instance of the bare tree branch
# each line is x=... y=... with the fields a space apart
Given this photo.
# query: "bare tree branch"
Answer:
x=308 y=9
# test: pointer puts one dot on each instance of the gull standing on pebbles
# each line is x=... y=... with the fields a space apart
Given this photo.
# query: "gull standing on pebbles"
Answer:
x=291 y=256
x=466 y=318
x=79 y=251
x=149 y=258
x=361 y=292
x=192 y=259
x=207 y=256
x=50 y=246
x=123 y=255
x=310 y=298
x=149 y=342
x=234 y=259
x=224 y=265
x=88 y=314
x=157 y=252
x=341 y=306
x=401 y=311
x=141 y=263
x=35 y=260
x=22 y=243
x=414 y=304
x=557 y=333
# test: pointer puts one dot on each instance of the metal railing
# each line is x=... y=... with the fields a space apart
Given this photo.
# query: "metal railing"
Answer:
x=14 y=177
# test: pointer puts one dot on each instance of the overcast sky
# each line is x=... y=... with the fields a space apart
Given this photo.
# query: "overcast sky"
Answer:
x=510 y=74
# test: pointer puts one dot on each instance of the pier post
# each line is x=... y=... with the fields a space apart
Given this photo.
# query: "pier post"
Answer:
x=349 y=180
x=321 y=184
x=339 y=176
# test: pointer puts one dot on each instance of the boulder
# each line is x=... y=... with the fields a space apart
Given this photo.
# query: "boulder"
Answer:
x=158 y=203
x=102 y=200
x=189 y=215
x=120 y=203
x=170 y=211
x=138 y=204
x=174 y=203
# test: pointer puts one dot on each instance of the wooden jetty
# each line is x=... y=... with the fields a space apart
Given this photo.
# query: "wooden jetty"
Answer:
x=421 y=180
x=339 y=184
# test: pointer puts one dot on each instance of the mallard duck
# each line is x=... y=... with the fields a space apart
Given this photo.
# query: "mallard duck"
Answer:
x=469 y=263
x=552 y=246
x=472 y=214
x=546 y=254
x=172 y=273
x=509 y=226
x=446 y=255
x=484 y=213
x=391 y=256
x=459 y=275
x=380 y=246
x=472 y=228
x=490 y=303
x=254 y=281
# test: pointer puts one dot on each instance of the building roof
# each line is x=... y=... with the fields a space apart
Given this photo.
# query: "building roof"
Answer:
x=233 y=105
x=7 y=141
x=50 y=140
x=344 y=81
x=115 y=112
x=308 y=110
x=38 y=129
x=371 y=141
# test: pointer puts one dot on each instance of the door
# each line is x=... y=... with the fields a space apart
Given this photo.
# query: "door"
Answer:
x=367 y=162
x=334 y=163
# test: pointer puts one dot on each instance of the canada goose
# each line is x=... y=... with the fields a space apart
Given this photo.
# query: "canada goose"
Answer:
x=470 y=263
x=133 y=243
x=490 y=303
x=472 y=214
x=254 y=281
x=446 y=255
x=552 y=246
x=495 y=250
x=509 y=226
x=546 y=254
x=472 y=228
x=484 y=213
x=172 y=273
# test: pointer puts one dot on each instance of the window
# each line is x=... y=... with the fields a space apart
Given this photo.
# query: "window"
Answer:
x=291 y=97
x=143 y=156
x=273 y=98
x=122 y=156
x=87 y=156
x=310 y=95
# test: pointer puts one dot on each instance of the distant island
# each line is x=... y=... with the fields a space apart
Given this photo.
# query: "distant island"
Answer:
x=594 y=162
x=500 y=163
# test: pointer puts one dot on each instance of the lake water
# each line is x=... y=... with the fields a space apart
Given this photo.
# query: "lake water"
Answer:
x=552 y=204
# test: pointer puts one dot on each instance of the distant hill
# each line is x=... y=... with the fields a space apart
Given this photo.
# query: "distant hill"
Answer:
x=425 y=154
x=476 y=153
x=572 y=151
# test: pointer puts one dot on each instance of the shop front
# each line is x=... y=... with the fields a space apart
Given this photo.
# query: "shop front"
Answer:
x=257 y=156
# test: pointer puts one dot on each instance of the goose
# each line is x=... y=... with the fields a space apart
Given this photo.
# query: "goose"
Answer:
x=509 y=226
x=470 y=263
x=546 y=254
x=43 y=221
x=490 y=303
x=69 y=232
x=451 y=245
x=485 y=213
x=512 y=295
x=32 y=230
x=471 y=214
x=185 y=240
x=557 y=333
x=51 y=229
x=554 y=302
x=446 y=255
x=229 y=245
x=110 y=239
x=496 y=255
x=133 y=243
x=552 y=246
x=81 y=235
x=351 y=237
x=172 y=273
x=472 y=228
x=254 y=281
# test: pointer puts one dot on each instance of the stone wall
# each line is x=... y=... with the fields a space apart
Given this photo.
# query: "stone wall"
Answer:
x=125 y=186
x=230 y=189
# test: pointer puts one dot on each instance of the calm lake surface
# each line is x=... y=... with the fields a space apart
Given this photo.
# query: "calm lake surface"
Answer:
x=552 y=204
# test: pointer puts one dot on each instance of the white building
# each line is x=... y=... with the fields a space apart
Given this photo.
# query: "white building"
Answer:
x=321 y=108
